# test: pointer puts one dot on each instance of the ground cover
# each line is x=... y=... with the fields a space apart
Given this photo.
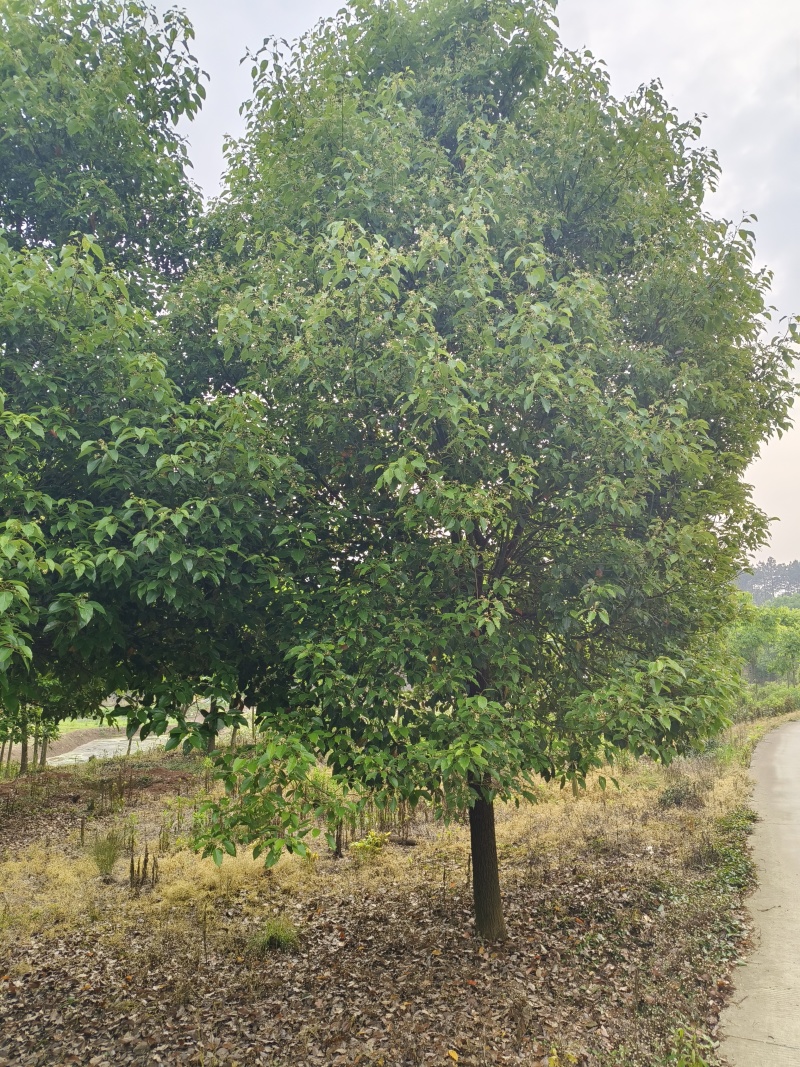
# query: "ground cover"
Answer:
x=625 y=914
x=68 y=726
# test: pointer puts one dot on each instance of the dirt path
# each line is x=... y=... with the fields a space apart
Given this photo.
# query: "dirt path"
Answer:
x=72 y=740
x=103 y=748
x=765 y=1010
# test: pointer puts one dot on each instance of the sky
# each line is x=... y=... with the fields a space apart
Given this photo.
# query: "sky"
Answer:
x=736 y=61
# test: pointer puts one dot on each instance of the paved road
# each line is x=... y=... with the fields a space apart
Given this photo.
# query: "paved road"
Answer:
x=104 y=748
x=762 y=1026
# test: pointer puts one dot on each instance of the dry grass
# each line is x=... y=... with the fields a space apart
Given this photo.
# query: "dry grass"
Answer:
x=656 y=840
x=55 y=886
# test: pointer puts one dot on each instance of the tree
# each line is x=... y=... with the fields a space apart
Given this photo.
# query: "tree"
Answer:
x=522 y=373
x=771 y=581
x=767 y=639
x=435 y=453
x=787 y=600
x=91 y=94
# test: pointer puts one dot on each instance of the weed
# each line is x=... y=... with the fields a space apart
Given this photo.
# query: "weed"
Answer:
x=555 y=1060
x=686 y=1051
x=140 y=875
x=106 y=850
x=310 y=861
x=278 y=934
x=367 y=850
x=173 y=819
x=683 y=794
x=735 y=867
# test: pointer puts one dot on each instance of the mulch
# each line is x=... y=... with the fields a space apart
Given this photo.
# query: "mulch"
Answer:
x=605 y=953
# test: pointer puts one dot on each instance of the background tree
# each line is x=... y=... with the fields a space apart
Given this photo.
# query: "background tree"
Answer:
x=768 y=641
x=109 y=477
x=771 y=581
x=126 y=508
x=90 y=95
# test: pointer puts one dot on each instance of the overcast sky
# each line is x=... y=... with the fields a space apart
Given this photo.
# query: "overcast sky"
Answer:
x=737 y=61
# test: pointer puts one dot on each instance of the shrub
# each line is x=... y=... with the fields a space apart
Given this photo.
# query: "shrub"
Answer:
x=683 y=794
x=106 y=850
x=278 y=934
x=761 y=702
x=368 y=849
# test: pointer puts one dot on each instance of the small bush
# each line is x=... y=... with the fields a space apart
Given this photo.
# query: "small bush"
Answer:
x=368 y=849
x=683 y=794
x=687 y=1050
x=278 y=934
x=106 y=850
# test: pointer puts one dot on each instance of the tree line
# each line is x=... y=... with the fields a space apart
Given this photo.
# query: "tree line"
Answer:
x=771 y=579
x=767 y=639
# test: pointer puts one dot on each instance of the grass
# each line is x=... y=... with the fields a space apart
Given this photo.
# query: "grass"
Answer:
x=106 y=850
x=278 y=934
x=68 y=726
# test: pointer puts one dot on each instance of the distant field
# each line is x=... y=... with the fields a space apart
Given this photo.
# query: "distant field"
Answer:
x=69 y=725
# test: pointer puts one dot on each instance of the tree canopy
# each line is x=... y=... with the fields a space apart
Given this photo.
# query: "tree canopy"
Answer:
x=434 y=454
x=768 y=640
x=90 y=94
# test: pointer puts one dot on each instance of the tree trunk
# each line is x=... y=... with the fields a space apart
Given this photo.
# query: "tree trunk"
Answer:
x=23 y=759
x=489 y=922
x=35 y=747
x=43 y=752
x=211 y=716
x=2 y=754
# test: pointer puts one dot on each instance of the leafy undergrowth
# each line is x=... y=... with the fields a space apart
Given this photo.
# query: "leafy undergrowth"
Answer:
x=624 y=912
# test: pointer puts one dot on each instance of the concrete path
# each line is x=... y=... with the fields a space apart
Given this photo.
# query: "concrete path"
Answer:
x=762 y=1025
x=104 y=748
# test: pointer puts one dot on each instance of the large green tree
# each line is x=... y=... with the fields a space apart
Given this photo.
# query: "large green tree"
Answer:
x=523 y=372
x=435 y=454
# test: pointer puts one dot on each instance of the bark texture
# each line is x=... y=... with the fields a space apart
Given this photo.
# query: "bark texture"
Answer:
x=23 y=758
x=489 y=922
